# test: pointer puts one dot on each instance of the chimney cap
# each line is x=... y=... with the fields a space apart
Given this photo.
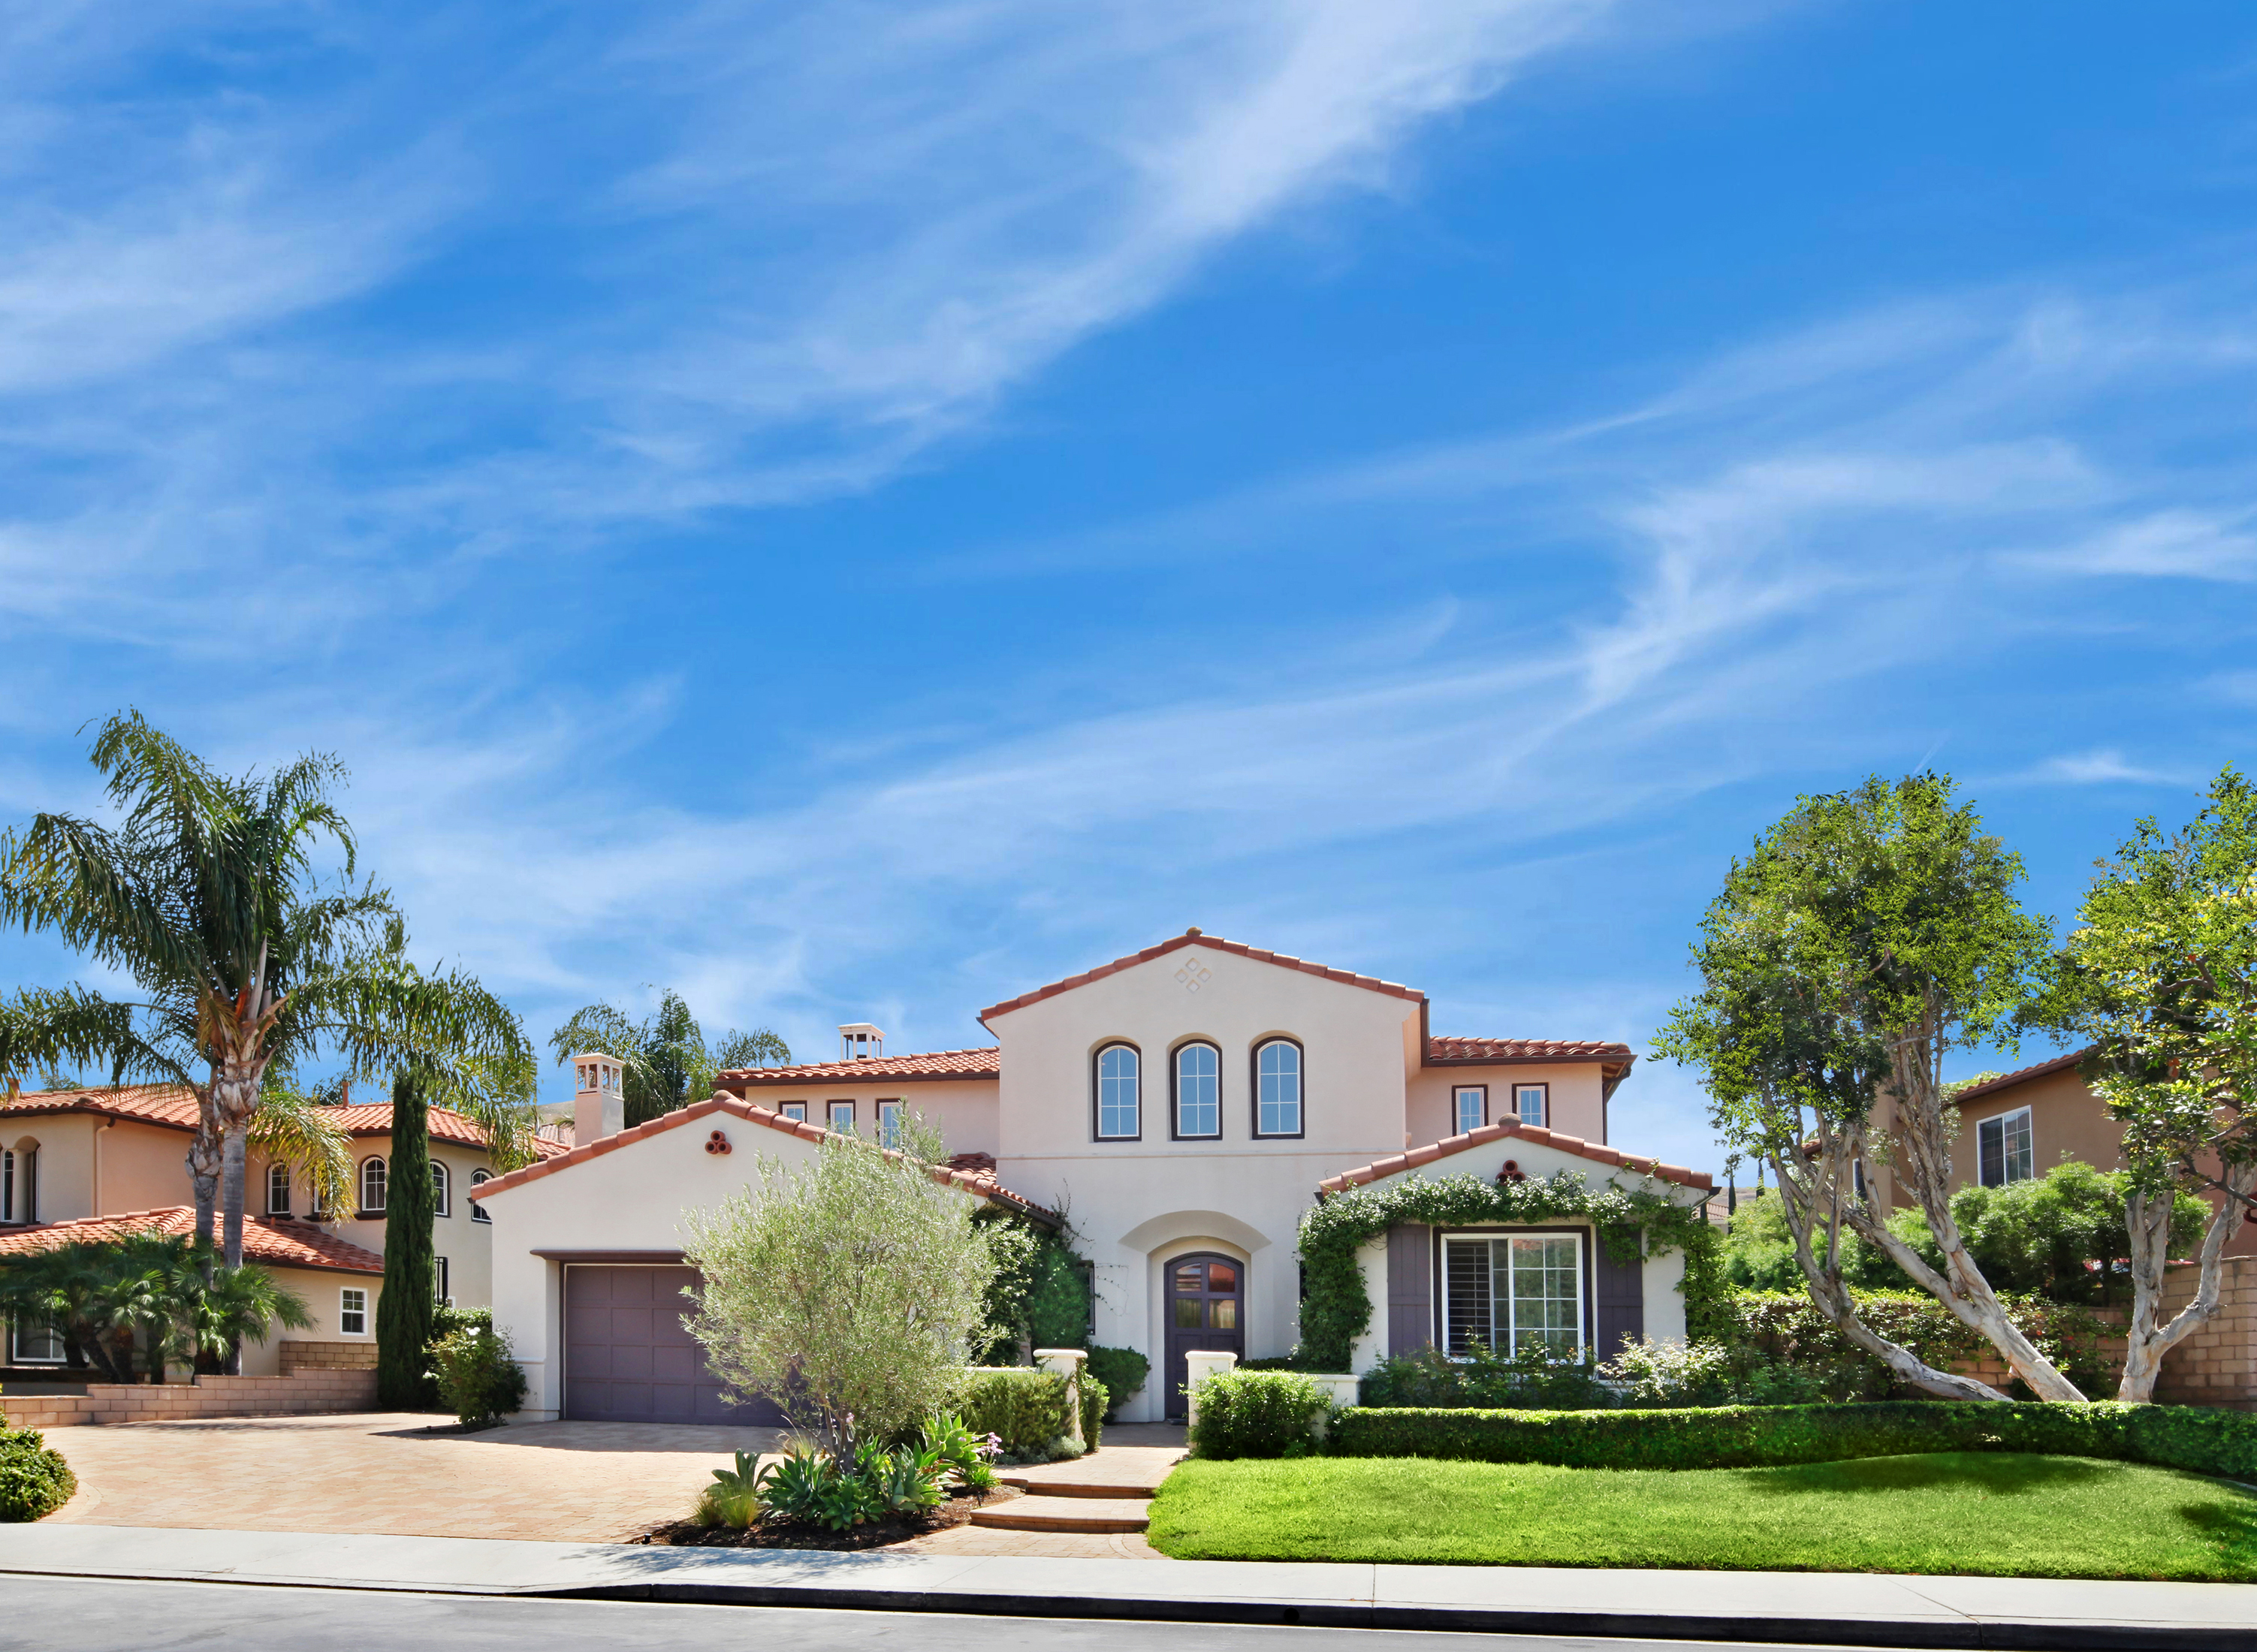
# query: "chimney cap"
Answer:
x=859 y=1026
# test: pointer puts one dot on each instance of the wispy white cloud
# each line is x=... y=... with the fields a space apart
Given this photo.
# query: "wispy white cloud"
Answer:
x=2105 y=767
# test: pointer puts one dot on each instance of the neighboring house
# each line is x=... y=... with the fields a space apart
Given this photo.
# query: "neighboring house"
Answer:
x=2019 y=1125
x=1180 y=1108
x=69 y=1154
x=338 y=1280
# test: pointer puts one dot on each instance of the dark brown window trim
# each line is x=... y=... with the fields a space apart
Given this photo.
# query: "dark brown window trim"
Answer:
x=1588 y=1234
x=1543 y=1084
x=1096 y=1119
x=1457 y=1129
x=1174 y=1110
x=1253 y=1089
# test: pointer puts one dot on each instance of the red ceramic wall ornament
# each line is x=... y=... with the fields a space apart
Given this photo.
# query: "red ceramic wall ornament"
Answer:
x=716 y=1142
x=1511 y=1172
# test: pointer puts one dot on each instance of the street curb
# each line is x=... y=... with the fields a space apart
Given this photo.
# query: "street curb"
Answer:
x=1970 y=1634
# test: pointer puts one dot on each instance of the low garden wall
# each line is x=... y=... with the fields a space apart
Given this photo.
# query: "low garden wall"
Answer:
x=326 y=1356
x=304 y=1393
x=2216 y=1366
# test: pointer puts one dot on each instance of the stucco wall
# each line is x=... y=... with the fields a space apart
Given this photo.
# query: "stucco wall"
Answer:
x=963 y=1109
x=1136 y=1204
x=1578 y=1092
x=2067 y=1121
x=319 y=1288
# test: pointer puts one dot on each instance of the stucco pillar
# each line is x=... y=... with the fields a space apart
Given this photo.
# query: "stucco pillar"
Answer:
x=1198 y=1364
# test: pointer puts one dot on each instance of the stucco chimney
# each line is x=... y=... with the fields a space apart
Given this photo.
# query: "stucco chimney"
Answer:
x=599 y=1106
x=859 y=1040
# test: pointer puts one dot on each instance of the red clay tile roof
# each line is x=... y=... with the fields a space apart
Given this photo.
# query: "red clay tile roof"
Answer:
x=1447 y=1052
x=2007 y=1081
x=1193 y=938
x=939 y=1064
x=982 y=1182
x=172 y=1107
x=274 y=1244
x=1398 y=1162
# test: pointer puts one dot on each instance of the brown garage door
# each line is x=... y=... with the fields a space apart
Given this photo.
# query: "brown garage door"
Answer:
x=627 y=1358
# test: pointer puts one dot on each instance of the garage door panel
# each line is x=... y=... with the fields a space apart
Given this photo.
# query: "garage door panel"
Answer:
x=629 y=1358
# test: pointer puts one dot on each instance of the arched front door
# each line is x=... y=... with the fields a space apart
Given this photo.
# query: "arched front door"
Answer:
x=1207 y=1311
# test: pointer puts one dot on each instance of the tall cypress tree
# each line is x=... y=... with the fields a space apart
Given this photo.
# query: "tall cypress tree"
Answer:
x=406 y=1312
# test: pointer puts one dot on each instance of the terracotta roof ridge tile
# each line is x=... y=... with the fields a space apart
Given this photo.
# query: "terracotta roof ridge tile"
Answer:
x=2007 y=1080
x=1191 y=938
x=1395 y=1163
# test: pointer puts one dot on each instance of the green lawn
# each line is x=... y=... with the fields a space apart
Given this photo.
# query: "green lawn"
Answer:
x=1997 y=1515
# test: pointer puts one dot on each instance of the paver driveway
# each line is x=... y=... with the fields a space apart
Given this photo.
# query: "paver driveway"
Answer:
x=395 y=1474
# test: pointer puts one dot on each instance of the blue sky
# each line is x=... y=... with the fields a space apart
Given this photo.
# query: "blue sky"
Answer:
x=855 y=510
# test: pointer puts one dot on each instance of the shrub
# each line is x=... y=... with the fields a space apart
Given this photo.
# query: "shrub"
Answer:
x=1529 y=1379
x=1023 y=1407
x=1788 y=1328
x=34 y=1480
x=1095 y=1403
x=1258 y=1414
x=734 y=1497
x=810 y=1487
x=477 y=1379
x=1121 y=1370
x=2206 y=1440
x=1671 y=1374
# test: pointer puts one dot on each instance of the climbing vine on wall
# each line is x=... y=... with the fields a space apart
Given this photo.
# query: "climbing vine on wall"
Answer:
x=1336 y=1309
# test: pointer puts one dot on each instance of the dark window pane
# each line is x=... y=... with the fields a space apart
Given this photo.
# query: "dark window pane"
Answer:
x=1187 y=1313
x=1221 y=1277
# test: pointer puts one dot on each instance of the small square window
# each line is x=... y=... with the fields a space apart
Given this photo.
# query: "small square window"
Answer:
x=890 y=1123
x=794 y=1109
x=842 y=1117
x=353 y=1311
x=1532 y=1104
x=1469 y=1108
x=2004 y=1149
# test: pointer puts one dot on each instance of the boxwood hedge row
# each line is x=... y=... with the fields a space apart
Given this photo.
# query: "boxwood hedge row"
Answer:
x=2209 y=1442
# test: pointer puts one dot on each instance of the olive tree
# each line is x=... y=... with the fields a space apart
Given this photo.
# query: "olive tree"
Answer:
x=1865 y=936
x=849 y=1290
x=2162 y=977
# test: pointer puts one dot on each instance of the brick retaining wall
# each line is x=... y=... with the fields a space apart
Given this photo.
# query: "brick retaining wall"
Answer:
x=2216 y=1366
x=326 y=1356
x=305 y=1393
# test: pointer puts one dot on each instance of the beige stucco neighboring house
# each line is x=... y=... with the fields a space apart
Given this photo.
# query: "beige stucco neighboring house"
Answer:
x=1180 y=1107
x=68 y=1156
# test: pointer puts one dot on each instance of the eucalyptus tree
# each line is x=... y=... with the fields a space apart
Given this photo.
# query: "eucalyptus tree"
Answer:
x=1864 y=937
x=665 y=1058
x=205 y=895
x=2161 y=976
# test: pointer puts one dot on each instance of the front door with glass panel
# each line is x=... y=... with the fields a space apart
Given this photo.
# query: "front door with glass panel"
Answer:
x=1206 y=1310
x=1513 y=1292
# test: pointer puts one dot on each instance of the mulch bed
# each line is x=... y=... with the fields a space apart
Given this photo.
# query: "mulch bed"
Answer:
x=957 y=1511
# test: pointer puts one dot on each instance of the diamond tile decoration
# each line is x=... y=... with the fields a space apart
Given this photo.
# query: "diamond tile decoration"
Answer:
x=1194 y=975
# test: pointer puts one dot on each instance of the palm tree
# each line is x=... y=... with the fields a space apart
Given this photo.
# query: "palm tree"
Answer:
x=665 y=1058
x=206 y=896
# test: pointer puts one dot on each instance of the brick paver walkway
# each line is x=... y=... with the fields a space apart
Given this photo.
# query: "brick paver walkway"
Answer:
x=384 y=1474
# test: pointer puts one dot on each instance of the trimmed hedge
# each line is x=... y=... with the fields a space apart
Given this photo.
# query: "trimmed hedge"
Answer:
x=1121 y=1370
x=34 y=1480
x=1095 y=1403
x=2209 y=1442
x=1024 y=1407
x=1258 y=1414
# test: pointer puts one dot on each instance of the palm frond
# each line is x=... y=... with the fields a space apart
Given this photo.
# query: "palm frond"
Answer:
x=296 y=1127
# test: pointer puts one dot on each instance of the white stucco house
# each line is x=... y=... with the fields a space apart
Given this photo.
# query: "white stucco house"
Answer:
x=1180 y=1108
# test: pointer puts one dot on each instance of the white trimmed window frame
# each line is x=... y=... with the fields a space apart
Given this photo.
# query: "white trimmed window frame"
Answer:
x=442 y=1189
x=477 y=1179
x=352 y=1304
x=1540 y=1095
x=1469 y=1108
x=1522 y=1253
x=2007 y=1143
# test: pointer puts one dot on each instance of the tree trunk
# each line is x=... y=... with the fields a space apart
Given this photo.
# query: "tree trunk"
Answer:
x=1810 y=1194
x=232 y=1153
x=406 y=1312
x=2149 y=1337
x=1925 y=1153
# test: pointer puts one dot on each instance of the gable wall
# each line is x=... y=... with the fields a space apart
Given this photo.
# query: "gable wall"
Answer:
x=1578 y=1097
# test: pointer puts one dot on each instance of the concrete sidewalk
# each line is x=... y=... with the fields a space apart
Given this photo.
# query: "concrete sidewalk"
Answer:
x=1840 y=1608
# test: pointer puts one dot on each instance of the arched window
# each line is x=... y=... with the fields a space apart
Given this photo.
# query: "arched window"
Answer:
x=1278 y=1089
x=278 y=1189
x=1199 y=1092
x=7 y=1184
x=477 y=1210
x=1120 y=1093
x=372 y=1187
x=442 y=1190
x=19 y=1185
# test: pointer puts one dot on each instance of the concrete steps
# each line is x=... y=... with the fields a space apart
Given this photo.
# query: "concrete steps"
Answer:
x=1039 y=1511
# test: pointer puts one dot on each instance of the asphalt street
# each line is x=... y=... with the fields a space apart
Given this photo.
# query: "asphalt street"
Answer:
x=75 y=1614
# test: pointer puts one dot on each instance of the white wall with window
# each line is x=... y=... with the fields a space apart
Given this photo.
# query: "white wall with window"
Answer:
x=352 y=1310
x=2004 y=1149
x=1511 y=1292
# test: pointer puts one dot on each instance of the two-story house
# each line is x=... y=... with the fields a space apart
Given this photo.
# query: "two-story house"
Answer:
x=1179 y=1109
x=96 y=1163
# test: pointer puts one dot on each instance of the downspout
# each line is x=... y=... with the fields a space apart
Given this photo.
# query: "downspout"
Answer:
x=100 y=1131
